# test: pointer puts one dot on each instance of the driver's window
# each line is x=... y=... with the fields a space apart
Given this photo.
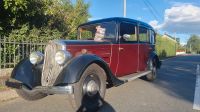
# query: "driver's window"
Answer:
x=86 y=34
x=128 y=32
x=98 y=31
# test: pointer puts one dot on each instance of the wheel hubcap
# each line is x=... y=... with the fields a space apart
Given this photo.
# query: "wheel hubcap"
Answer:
x=91 y=85
x=92 y=88
x=151 y=65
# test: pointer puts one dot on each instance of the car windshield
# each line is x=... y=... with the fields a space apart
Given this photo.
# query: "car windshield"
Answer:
x=98 y=32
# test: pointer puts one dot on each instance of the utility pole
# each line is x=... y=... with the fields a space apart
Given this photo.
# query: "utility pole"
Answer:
x=124 y=8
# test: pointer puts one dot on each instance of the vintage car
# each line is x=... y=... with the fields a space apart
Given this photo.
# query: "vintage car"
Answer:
x=107 y=53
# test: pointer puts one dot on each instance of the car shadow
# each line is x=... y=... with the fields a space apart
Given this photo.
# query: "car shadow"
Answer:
x=106 y=108
x=96 y=101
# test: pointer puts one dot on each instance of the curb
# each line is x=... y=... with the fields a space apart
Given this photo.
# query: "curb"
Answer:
x=7 y=95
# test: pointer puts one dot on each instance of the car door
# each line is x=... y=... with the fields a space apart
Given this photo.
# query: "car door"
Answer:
x=144 y=47
x=128 y=49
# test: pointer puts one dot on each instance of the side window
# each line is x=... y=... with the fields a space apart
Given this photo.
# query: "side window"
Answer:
x=128 y=32
x=143 y=34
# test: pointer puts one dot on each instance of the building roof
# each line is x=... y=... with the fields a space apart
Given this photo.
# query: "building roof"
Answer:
x=170 y=37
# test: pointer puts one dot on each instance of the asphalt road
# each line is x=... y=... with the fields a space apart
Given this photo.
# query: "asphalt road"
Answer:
x=173 y=91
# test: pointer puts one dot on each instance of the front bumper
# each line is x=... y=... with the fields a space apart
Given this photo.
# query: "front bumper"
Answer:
x=67 y=89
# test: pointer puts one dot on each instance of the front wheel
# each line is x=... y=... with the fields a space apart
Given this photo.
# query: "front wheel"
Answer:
x=89 y=91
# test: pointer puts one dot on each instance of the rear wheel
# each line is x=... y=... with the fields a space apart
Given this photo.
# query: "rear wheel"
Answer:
x=152 y=66
x=27 y=95
x=89 y=91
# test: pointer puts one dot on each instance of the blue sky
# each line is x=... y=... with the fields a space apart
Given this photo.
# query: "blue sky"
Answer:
x=164 y=20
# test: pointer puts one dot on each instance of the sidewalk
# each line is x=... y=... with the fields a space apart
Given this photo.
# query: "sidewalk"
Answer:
x=7 y=93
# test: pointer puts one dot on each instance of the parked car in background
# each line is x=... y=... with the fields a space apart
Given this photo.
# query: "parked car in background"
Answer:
x=107 y=53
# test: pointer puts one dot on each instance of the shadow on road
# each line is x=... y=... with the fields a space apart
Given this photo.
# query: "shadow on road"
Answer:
x=177 y=77
x=106 y=108
x=95 y=104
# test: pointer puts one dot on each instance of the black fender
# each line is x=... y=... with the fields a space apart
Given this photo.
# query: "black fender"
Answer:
x=153 y=56
x=74 y=69
x=27 y=73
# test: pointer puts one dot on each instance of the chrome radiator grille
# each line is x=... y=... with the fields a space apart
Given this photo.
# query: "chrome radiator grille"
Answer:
x=51 y=68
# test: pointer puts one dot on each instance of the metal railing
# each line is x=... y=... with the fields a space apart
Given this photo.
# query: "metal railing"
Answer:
x=11 y=52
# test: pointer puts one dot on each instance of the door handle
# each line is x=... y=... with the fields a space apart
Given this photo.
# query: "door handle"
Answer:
x=121 y=49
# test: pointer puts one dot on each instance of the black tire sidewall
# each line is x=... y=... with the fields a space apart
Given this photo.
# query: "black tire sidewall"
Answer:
x=77 y=97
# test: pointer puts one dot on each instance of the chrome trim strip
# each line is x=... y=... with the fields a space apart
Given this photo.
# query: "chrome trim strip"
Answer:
x=140 y=75
x=51 y=89
x=130 y=77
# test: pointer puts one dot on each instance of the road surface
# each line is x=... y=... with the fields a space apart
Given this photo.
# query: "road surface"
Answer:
x=173 y=91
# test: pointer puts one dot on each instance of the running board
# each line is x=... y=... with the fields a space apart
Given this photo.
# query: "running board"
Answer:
x=134 y=76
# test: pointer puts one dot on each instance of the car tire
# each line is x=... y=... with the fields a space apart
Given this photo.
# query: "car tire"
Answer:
x=152 y=66
x=89 y=91
x=30 y=96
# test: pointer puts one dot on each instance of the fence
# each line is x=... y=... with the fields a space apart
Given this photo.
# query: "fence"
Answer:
x=11 y=52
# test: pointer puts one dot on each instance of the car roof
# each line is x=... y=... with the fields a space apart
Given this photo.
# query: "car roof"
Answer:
x=119 y=19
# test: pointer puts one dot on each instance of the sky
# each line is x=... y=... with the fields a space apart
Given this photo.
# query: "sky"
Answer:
x=179 y=18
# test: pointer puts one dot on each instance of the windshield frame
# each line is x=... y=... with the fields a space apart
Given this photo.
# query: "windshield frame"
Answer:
x=115 y=33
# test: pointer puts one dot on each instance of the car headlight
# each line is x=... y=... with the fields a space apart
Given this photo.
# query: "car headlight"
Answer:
x=62 y=56
x=36 y=57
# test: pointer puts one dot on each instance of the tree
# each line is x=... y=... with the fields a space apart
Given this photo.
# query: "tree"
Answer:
x=193 y=44
x=26 y=19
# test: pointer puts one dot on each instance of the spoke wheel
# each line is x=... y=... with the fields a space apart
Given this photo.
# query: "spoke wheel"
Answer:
x=89 y=91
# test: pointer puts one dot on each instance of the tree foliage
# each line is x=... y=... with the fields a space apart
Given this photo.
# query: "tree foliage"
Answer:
x=46 y=19
x=193 y=44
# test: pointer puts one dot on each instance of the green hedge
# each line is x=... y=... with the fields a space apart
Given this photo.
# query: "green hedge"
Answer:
x=165 y=47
